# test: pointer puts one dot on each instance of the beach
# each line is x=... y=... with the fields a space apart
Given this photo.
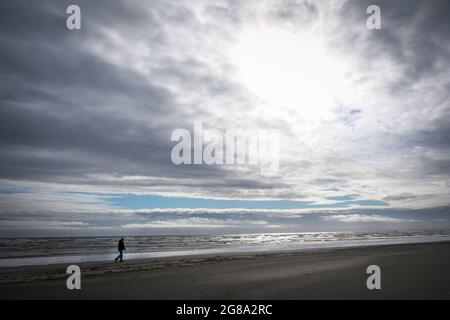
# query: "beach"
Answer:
x=408 y=271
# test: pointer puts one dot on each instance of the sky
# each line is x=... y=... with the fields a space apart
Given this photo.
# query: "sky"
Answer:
x=87 y=115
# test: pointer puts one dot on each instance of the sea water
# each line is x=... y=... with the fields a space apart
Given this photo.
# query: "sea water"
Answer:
x=44 y=251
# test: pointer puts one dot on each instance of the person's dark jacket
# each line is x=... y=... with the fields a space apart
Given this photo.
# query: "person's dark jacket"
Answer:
x=121 y=246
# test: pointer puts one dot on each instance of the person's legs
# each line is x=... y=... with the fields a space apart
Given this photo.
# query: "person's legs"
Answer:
x=121 y=256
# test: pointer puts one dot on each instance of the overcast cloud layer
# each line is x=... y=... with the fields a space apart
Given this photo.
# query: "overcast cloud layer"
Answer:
x=86 y=116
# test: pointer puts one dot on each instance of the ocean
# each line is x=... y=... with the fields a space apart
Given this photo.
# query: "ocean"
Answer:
x=44 y=251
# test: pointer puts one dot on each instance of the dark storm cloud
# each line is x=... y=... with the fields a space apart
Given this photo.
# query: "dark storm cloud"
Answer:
x=437 y=136
x=56 y=96
x=414 y=35
x=414 y=42
x=67 y=113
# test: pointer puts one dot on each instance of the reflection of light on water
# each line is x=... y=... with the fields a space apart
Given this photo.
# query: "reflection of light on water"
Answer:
x=15 y=252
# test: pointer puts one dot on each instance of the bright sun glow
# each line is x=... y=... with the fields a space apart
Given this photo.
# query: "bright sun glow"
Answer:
x=288 y=70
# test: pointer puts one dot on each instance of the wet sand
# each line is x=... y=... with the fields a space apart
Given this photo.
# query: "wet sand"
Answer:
x=409 y=271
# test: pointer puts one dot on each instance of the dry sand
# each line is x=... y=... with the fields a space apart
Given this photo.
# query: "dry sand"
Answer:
x=410 y=271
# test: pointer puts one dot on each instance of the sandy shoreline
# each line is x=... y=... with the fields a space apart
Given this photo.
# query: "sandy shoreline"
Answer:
x=409 y=271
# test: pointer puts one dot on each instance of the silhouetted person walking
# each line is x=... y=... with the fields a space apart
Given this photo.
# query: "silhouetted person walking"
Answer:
x=121 y=248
